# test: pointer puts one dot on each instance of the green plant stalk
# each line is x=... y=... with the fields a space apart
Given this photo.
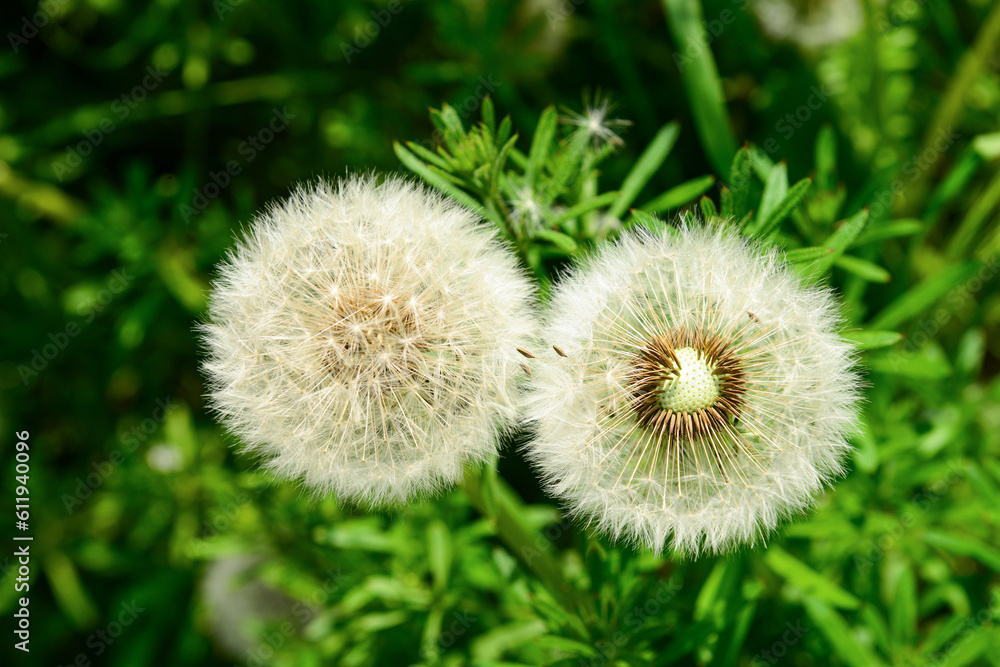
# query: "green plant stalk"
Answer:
x=701 y=81
x=972 y=223
x=951 y=106
x=501 y=505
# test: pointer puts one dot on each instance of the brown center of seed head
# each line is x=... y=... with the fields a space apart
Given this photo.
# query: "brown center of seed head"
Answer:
x=372 y=338
x=663 y=396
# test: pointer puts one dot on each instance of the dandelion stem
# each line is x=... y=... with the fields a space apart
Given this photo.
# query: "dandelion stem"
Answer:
x=494 y=499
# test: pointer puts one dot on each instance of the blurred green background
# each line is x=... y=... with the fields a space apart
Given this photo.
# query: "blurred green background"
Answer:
x=134 y=141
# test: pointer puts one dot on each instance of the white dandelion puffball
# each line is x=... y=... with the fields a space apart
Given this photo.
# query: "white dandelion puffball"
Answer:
x=696 y=394
x=363 y=339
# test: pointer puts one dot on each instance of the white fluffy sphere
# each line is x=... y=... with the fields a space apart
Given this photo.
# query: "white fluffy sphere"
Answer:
x=363 y=336
x=699 y=392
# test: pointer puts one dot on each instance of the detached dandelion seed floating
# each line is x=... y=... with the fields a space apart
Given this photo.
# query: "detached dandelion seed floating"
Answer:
x=363 y=338
x=594 y=123
x=697 y=392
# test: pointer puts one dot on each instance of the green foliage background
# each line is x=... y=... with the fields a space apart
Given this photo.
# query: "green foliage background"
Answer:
x=871 y=160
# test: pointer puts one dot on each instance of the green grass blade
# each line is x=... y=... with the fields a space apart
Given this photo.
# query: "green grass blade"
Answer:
x=961 y=545
x=558 y=239
x=545 y=133
x=808 y=580
x=414 y=164
x=701 y=79
x=804 y=255
x=840 y=635
x=775 y=189
x=679 y=195
x=788 y=203
x=740 y=176
x=873 y=340
x=981 y=211
x=584 y=207
x=707 y=206
x=864 y=269
x=903 y=613
x=891 y=230
x=645 y=167
x=838 y=242
x=921 y=296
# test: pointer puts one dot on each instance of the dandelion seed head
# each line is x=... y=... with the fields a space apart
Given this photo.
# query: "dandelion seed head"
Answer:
x=704 y=394
x=362 y=339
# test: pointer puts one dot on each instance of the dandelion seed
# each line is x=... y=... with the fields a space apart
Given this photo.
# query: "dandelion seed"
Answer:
x=697 y=395
x=527 y=211
x=363 y=339
x=595 y=123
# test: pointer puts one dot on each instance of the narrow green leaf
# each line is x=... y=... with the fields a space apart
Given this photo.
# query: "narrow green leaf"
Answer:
x=969 y=651
x=568 y=167
x=873 y=340
x=925 y=365
x=941 y=635
x=784 y=208
x=808 y=580
x=862 y=268
x=504 y=132
x=489 y=116
x=775 y=189
x=890 y=230
x=414 y=164
x=725 y=202
x=545 y=133
x=439 y=553
x=739 y=182
x=708 y=209
x=685 y=642
x=954 y=183
x=701 y=80
x=584 y=207
x=436 y=159
x=719 y=592
x=679 y=195
x=840 y=635
x=519 y=159
x=451 y=119
x=646 y=220
x=804 y=255
x=982 y=484
x=492 y=644
x=903 y=613
x=727 y=649
x=761 y=162
x=501 y=161
x=866 y=452
x=69 y=591
x=924 y=294
x=558 y=239
x=961 y=545
x=842 y=237
x=981 y=212
x=448 y=122
x=645 y=167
